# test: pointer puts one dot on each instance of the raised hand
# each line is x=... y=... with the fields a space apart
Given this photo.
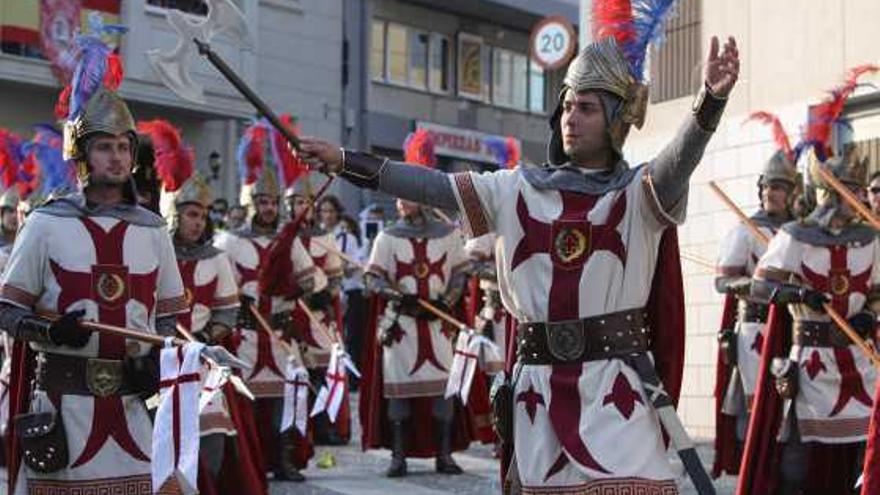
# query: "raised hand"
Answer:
x=722 y=69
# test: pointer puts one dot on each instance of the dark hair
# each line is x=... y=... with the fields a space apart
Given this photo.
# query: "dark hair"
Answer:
x=352 y=226
x=333 y=200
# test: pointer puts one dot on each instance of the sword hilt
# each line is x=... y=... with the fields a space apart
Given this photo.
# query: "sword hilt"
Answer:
x=245 y=90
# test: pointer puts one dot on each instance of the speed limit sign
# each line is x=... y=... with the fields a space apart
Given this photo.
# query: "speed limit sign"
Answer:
x=552 y=42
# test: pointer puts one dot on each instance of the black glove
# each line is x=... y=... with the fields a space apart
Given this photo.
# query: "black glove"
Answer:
x=727 y=346
x=864 y=322
x=410 y=302
x=63 y=331
x=813 y=298
x=143 y=374
x=245 y=317
x=320 y=300
x=387 y=336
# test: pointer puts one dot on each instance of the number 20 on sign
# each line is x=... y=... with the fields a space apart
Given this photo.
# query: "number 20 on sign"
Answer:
x=552 y=42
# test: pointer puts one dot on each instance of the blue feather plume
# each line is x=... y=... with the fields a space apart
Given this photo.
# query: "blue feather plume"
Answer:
x=648 y=20
x=57 y=175
x=89 y=74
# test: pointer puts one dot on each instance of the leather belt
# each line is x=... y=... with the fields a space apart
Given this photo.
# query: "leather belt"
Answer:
x=751 y=312
x=59 y=374
x=818 y=334
x=599 y=337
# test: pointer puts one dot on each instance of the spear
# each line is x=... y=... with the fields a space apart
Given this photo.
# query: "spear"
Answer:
x=840 y=321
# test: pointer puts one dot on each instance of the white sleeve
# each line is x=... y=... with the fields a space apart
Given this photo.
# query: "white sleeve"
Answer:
x=22 y=281
x=381 y=258
x=305 y=268
x=226 y=295
x=781 y=260
x=170 y=298
x=733 y=256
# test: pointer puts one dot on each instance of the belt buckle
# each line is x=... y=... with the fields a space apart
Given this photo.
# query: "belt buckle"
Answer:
x=566 y=340
x=103 y=376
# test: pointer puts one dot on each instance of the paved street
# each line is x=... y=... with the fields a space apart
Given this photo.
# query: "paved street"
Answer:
x=362 y=473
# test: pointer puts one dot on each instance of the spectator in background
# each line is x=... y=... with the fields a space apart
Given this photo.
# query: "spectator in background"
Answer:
x=330 y=212
x=235 y=217
x=218 y=213
x=874 y=192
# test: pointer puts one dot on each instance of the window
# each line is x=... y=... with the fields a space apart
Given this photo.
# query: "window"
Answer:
x=439 y=64
x=198 y=7
x=675 y=65
x=418 y=59
x=473 y=67
x=377 y=51
x=397 y=59
x=537 y=91
x=510 y=81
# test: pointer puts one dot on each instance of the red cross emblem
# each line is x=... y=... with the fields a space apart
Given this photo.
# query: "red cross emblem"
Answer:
x=111 y=286
x=840 y=283
x=195 y=294
x=570 y=240
x=418 y=265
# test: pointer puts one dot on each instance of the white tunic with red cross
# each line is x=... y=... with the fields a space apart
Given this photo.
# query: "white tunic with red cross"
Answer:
x=739 y=255
x=417 y=362
x=835 y=384
x=209 y=285
x=267 y=358
x=482 y=249
x=317 y=338
x=588 y=427
x=121 y=274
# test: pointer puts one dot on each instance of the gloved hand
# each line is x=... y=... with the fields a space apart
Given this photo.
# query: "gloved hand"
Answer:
x=245 y=317
x=142 y=372
x=727 y=346
x=813 y=298
x=68 y=331
x=864 y=322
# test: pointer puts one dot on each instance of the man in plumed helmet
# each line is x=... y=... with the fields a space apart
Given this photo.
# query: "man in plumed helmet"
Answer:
x=92 y=255
x=741 y=333
x=583 y=237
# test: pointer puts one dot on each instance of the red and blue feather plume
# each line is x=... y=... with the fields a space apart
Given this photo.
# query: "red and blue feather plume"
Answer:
x=826 y=115
x=634 y=24
x=418 y=148
x=51 y=173
x=290 y=166
x=97 y=65
x=11 y=158
x=506 y=151
x=251 y=153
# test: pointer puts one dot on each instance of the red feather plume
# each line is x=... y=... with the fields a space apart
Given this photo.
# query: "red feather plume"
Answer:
x=514 y=153
x=114 y=75
x=419 y=148
x=823 y=115
x=9 y=158
x=613 y=18
x=292 y=166
x=173 y=159
x=779 y=135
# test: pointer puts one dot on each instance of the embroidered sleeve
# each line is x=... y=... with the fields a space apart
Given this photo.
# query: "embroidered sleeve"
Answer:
x=481 y=196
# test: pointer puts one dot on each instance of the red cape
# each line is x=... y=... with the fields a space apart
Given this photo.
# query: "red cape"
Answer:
x=830 y=467
x=871 y=481
x=471 y=422
x=727 y=454
x=23 y=367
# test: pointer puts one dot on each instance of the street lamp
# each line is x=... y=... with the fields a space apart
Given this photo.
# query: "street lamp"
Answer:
x=214 y=164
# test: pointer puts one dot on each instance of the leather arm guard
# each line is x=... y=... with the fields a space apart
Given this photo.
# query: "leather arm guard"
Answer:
x=708 y=109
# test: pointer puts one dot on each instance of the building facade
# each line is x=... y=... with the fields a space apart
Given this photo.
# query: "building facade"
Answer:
x=460 y=69
x=292 y=58
x=791 y=55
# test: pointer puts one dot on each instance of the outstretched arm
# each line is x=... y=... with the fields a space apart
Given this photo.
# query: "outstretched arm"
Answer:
x=672 y=168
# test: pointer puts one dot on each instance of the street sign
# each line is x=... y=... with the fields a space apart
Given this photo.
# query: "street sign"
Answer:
x=552 y=42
